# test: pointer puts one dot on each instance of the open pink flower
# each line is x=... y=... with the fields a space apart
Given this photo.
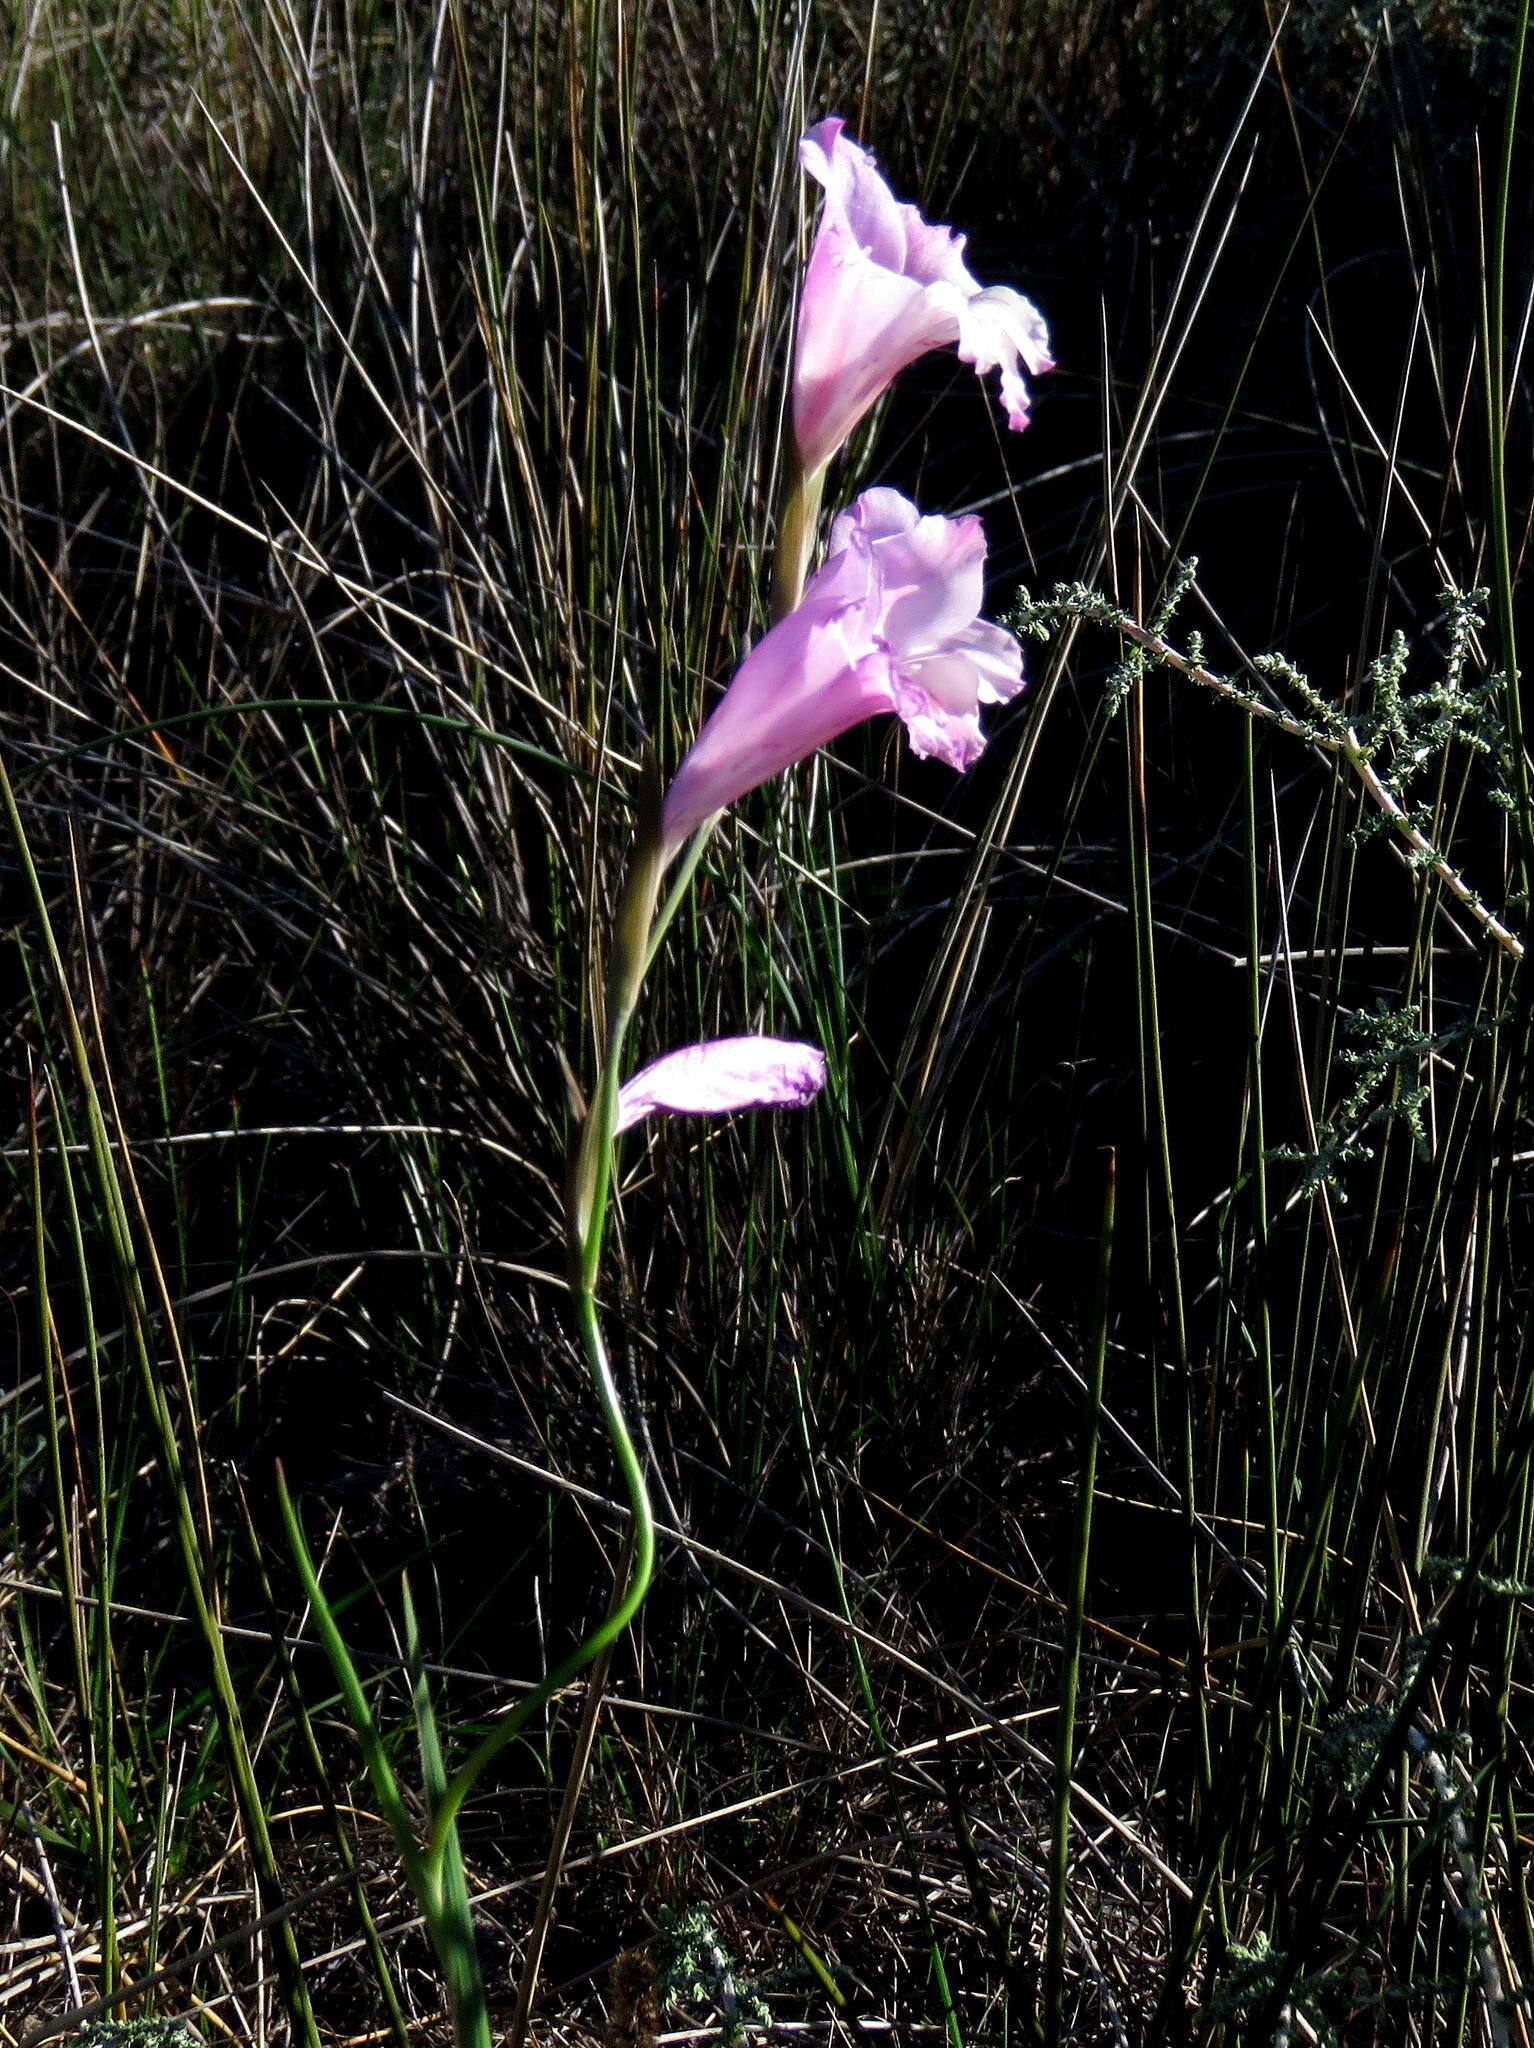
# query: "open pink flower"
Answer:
x=890 y=622
x=724 y=1074
x=884 y=286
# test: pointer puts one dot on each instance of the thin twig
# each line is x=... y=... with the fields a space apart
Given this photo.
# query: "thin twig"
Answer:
x=1346 y=744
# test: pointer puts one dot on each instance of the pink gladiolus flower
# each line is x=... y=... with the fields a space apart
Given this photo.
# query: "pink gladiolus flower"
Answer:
x=724 y=1074
x=890 y=622
x=884 y=286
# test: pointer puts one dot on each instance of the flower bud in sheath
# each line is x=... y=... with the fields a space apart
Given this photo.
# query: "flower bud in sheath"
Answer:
x=724 y=1074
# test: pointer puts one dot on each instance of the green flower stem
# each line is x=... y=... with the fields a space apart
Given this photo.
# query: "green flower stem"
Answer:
x=434 y=1870
x=796 y=535
x=591 y=1177
x=626 y=1605
x=590 y=1203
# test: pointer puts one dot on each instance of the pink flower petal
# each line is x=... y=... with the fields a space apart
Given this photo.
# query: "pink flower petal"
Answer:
x=996 y=658
x=879 y=514
x=859 y=326
x=938 y=731
x=932 y=569
x=999 y=322
x=884 y=286
x=812 y=678
x=724 y=1074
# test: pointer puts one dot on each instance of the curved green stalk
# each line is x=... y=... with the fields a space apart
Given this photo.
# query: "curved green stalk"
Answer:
x=627 y=1604
x=590 y=1202
x=434 y=1869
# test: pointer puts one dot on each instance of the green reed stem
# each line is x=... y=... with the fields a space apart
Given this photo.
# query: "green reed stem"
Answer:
x=1496 y=415
x=142 y=1287
x=1054 y=2030
x=456 y=1945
